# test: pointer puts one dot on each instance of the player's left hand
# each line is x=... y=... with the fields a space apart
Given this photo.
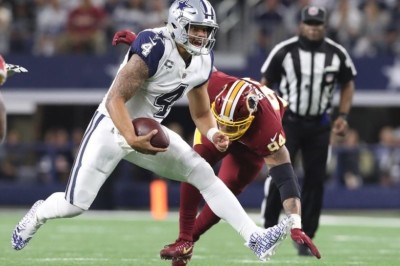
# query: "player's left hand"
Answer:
x=302 y=239
x=340 y=126
x=221 y=141
x=124 y=36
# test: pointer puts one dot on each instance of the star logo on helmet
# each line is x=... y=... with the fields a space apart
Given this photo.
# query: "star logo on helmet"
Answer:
x=183 y=5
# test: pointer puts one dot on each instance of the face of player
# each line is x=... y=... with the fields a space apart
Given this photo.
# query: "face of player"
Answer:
x=198 y=35
x=313 y=31
x=234 y=130
x=227 y=129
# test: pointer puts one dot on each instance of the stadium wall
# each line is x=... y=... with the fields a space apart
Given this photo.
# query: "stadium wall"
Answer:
x=137 y=196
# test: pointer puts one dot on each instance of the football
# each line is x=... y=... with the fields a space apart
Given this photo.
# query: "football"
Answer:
x=145 y=125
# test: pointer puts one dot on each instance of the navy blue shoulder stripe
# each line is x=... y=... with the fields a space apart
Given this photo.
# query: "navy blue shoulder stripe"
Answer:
x=150 y=47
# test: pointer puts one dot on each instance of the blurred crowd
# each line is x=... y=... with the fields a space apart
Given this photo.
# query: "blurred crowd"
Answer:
x=363 y=27
x=50 y=27
x=352 y=163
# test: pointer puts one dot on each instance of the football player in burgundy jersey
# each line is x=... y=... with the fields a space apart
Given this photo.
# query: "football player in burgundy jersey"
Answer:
x=251 y=115
x=260 y=141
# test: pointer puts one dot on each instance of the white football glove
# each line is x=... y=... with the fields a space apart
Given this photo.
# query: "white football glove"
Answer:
x=12 y=69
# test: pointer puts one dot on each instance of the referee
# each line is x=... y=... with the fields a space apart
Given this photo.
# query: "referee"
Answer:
x=306 y=69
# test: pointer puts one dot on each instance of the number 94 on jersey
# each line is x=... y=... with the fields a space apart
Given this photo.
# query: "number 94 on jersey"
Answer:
x=276 y=142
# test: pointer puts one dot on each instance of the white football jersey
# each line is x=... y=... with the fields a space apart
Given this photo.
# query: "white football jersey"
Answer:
x=169 y=77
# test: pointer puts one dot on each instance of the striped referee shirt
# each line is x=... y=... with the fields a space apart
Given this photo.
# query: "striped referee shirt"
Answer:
x=307 y=77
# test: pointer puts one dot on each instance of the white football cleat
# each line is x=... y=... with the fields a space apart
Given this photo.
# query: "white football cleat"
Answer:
x=264 y=243
x=26 y=228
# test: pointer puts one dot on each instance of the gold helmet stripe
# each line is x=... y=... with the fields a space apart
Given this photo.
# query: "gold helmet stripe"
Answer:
x=232 y=97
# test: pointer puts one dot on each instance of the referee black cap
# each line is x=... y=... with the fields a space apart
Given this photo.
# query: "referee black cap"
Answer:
x=313 y=14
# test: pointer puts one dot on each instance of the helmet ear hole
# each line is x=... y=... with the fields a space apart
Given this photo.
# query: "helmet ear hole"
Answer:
x=252 y=102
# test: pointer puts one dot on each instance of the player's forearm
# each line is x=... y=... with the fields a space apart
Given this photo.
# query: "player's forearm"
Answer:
x=129 y=79
x=204 y=122
x=120 y=117
x=283 y=175
x=199 y=106
x=115 y=104
x=292 y=206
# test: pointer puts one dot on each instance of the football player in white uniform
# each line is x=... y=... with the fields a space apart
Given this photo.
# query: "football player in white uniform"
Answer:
x=161 y=66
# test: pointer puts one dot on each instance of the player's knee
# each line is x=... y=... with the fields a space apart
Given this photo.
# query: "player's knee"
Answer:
x=202 y=176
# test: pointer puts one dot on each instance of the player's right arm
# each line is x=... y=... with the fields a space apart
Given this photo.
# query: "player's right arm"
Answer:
x=199 y=106
x=282 y=173
x=128 y=81
x=279 y=158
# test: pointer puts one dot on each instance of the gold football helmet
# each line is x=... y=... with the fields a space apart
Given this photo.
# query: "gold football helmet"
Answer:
x=233 y=108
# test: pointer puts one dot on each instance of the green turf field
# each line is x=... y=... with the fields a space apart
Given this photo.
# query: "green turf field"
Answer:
x=132 y=238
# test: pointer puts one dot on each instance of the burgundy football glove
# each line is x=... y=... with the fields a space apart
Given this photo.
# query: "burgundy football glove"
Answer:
x=302 y=239
x=124 y=36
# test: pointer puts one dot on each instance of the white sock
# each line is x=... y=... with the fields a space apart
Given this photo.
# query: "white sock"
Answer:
x=55 y=206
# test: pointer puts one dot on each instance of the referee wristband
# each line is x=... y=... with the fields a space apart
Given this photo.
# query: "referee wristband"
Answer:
x=211 y=132
x=343 y=115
